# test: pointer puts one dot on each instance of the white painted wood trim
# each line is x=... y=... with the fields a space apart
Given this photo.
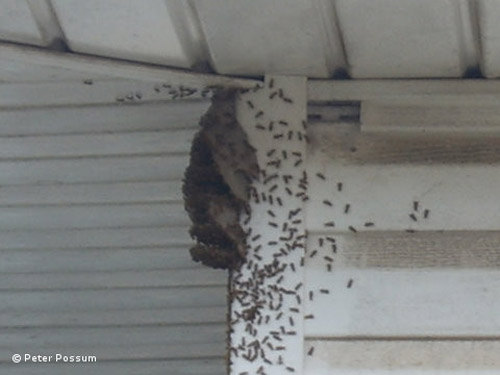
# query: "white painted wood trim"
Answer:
x=444 y=89
x=396 y=357
x=274 y=119
x=117 y=68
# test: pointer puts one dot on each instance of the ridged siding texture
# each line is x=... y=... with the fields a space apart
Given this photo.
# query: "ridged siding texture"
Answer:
x=314 y=38
x=94 y=238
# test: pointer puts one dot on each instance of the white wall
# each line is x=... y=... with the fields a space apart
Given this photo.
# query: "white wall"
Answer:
x=94 y=253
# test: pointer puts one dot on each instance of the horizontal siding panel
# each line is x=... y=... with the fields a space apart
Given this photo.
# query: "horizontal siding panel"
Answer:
x=135 y=351
x=361 y=357
x=131 y=317
x=81 y=238
x=97 y=260
x=109 y=169
x=427 y=284
x=375 y=145
x=458 y=197
x=119 y=342
x=117 y=279
x=25 y=71
x=93 y=216
x=403 y=303
x=424 y=250
x=407 y=116
x=109 y=193
x=56 y=146
x=106 y=118
x=211 y=366
x=95 y=301
x=70 y=93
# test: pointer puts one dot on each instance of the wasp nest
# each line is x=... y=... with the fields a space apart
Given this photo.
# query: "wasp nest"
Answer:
x=216 y=185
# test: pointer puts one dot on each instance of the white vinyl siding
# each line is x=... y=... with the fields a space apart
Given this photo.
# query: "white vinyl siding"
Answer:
x=94 y=243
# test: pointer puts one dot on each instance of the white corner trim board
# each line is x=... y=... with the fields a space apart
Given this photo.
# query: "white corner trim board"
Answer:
x=267 y=292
